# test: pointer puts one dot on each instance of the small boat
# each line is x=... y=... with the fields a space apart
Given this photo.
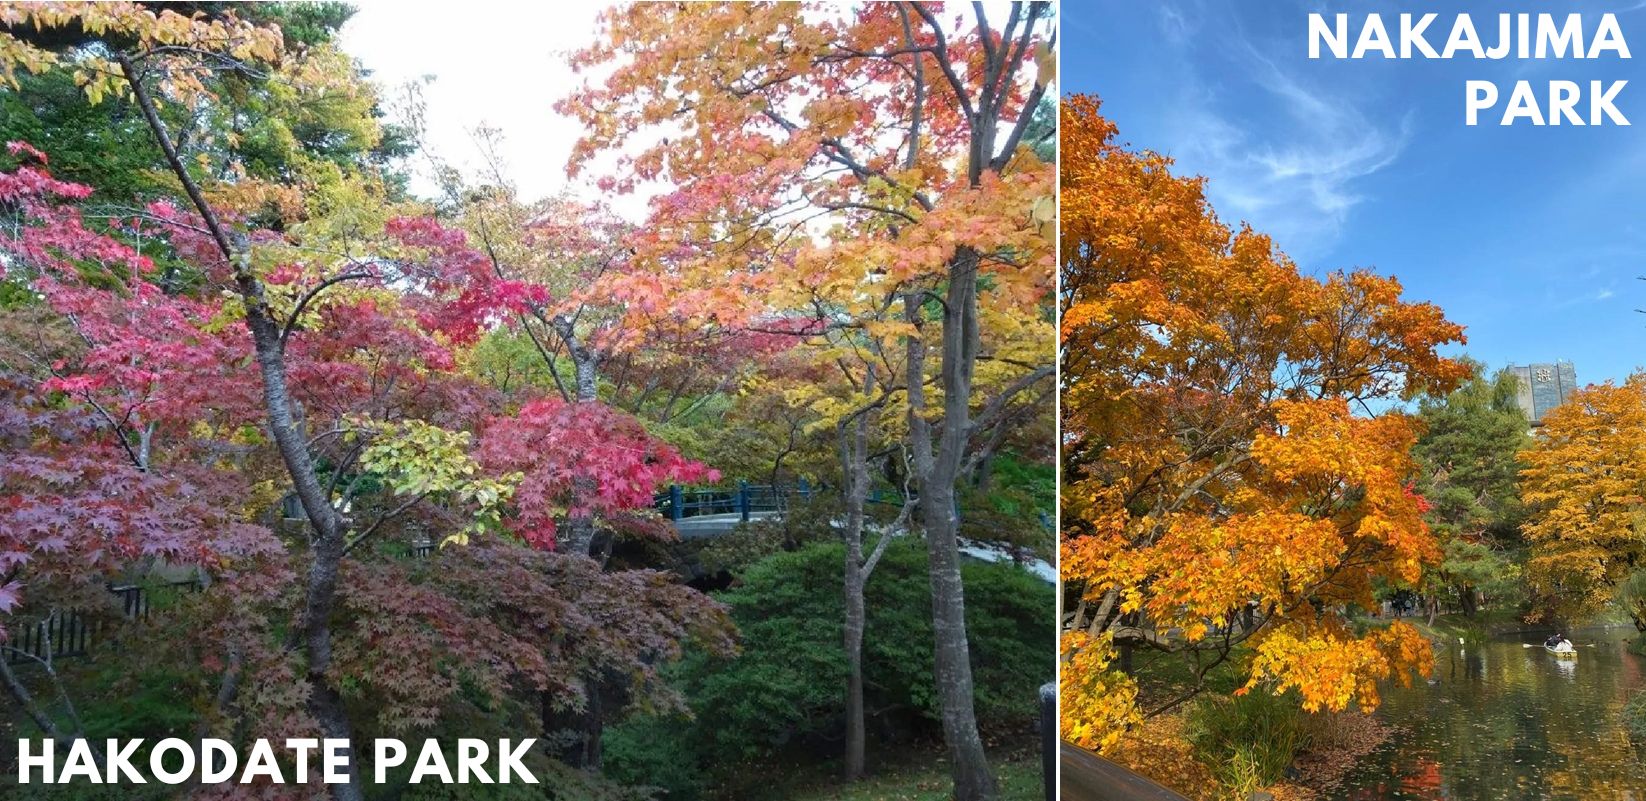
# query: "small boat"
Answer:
x=1564 y=650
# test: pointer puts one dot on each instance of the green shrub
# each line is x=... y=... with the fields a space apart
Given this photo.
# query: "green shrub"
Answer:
x=788 y=683
x=1248 y=741
x=1634 y=716
x=786 y=690
x=655 y=752
x=807 y=521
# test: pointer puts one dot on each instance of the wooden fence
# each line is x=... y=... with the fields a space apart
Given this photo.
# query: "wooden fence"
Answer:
x=70 y=633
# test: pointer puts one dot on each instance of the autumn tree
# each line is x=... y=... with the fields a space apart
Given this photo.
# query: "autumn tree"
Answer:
x=871 y=158
x=1226 y=484
x=556 y=273
x=285 y=341
x=770 y=427
x=1584 y=484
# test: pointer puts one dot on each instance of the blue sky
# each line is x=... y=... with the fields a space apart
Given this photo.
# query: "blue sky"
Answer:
x=1531 y=237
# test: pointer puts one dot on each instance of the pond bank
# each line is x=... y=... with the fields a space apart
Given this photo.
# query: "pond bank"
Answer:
x=1320 y=769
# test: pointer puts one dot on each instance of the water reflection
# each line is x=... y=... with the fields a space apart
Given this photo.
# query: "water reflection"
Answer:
x=1508 y=720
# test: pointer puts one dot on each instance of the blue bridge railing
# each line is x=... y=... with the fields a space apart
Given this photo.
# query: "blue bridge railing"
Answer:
x=744 y=500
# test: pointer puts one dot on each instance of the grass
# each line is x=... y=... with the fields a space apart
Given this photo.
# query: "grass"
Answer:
x=1247 y=741
x=924 y=776
x=1452 y=627
x=1164 y=676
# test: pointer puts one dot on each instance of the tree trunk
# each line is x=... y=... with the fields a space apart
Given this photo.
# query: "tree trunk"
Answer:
x=983 y=476
x=855 y=469
x=326 y=542
x=580 y=731
x=856 y=735
x=937 y=470
x=575 y=735
x=579 y=534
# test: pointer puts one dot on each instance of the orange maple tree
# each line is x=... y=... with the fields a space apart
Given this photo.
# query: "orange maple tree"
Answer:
x=1585 y=484
x=1226 y=483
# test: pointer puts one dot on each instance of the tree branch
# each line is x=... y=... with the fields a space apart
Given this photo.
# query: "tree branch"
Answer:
x=310 y=295
x=390 y=515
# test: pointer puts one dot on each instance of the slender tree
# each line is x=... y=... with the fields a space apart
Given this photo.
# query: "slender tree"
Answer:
x=906 y=133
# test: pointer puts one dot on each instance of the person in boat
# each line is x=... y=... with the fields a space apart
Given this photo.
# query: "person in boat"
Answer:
x=1555 y=640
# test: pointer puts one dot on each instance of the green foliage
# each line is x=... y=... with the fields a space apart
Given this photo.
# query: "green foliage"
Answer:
x=137 y=700
x=1468 y=453
x=83 y=791
x=14 y=294
x=508 y=361
x=105 y=146
x=808 y=521
x=569 y=784
x=415 y=459
x=703 y=432
x=1021 y=487
x=901 y=775
x=1248 y=741
x=1631 y=596
x=264 y=127
x=804 y=524
x=659 y=754
x=1015 y=505
x=787 y=687
x=1634 y=716
x=134 y=697
x=1042 y=131
x=302 y=24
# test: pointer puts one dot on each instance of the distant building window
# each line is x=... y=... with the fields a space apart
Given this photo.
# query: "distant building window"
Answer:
x=1543 y=387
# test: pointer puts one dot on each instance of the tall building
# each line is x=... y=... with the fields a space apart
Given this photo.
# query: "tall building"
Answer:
x=1543 y=387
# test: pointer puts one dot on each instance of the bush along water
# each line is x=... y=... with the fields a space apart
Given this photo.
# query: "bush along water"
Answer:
x=1248 y=740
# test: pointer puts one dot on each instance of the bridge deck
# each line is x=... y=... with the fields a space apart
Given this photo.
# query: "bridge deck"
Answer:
x=704 y=526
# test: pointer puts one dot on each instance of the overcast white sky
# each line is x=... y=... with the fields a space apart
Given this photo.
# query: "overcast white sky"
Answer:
x=503 y=68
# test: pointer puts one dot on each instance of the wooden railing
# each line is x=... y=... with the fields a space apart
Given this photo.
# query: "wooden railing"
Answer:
x=70 y=633
x=1089 y=777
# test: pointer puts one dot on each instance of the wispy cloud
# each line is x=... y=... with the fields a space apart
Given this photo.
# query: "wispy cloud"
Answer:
x=1176 y=25
x=1580 y=299
x=1288 y=156
x=1594 y=284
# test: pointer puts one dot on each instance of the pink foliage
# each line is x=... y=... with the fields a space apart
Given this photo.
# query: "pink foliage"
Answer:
x=557 y=444
x=464 y=290
x=75 y=511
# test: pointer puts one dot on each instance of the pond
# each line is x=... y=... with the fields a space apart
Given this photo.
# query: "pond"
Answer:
x=1502 y=720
